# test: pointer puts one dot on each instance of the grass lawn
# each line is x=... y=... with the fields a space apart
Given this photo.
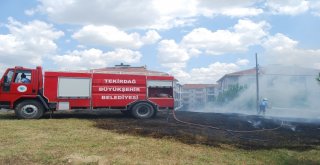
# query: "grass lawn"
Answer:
x=79 y=141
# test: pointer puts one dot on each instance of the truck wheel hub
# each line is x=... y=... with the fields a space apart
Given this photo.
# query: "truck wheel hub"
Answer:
x=143 y=111
x=29 y=109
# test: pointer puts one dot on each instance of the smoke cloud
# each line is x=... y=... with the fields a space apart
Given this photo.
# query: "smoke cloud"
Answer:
x=292 y=92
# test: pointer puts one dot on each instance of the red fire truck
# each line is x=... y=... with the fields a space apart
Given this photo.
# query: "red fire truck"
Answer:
x=133 y=90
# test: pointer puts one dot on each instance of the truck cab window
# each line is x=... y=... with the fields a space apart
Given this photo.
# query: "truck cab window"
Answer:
x=9 y=77
x=23 y=77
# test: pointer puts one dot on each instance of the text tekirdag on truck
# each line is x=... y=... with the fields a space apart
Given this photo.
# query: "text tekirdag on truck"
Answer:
x=135 y=90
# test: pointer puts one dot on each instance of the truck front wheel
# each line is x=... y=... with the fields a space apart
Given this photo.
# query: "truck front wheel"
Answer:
x=29 y=109
x=143 y=110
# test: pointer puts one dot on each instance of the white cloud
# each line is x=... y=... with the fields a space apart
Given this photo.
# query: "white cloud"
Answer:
x=281 y=49
x=174 y=13
x=176 y=8
x=279 y=42
x=171 y=55
x=95 y=58
x=155 y=14
x=209 y=74
x=124 y=13
x=225 y=4
x=3 y=69
x=30 y=12
x=239 y=8
x=242 y=62
x=239 y=38
x=112 y=36
x=315 y=6
x=245 y=33
x=27 y=44
x=213 y=72
x=288 y=7
x=81 y=46
x=241 y=12
x=151 y=37
x=182 y=76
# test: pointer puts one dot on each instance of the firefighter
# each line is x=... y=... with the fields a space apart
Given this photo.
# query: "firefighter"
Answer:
x=24 y=78
x=263 y=106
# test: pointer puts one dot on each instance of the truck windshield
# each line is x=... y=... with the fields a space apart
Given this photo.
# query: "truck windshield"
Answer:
x=9 y=76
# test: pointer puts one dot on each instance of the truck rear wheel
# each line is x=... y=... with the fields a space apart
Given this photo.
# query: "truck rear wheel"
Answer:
x=143 y=110
x=29 y=109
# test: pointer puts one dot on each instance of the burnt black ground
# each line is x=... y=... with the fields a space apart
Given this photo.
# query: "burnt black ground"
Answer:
x=287 y=134
x=291 y=135
x=298 y=136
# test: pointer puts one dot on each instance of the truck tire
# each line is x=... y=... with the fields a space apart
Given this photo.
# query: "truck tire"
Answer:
x=143 y=110
x=29 y=109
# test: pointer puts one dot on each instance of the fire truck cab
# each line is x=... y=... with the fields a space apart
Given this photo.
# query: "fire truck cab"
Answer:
x=134 y=90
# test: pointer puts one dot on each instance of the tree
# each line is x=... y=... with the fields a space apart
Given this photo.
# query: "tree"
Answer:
x=230 y=94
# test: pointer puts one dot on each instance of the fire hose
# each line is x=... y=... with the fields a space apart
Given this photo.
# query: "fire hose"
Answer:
x=227 y=130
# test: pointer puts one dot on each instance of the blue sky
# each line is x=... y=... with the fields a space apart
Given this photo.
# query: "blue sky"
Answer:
x=196 y=41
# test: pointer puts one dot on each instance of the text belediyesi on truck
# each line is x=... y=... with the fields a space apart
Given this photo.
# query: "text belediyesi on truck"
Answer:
x=133 y=90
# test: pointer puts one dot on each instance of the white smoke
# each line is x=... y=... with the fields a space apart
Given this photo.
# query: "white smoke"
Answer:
x=292 y=92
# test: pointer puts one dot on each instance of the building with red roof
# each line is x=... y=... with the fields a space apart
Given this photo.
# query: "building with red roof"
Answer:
x=237 y=78
x=198 y=95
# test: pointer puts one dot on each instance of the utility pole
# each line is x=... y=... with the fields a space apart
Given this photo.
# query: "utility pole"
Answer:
x=257 y=82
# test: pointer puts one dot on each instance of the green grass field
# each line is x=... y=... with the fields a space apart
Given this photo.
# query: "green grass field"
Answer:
x=79 y=141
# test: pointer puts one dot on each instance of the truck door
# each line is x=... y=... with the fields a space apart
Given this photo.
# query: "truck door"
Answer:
x=7 y=81
x=22 y=83
x=17 y=83
x=5 y=89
